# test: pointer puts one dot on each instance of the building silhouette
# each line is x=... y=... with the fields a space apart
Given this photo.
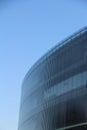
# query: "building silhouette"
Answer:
x=54 y=91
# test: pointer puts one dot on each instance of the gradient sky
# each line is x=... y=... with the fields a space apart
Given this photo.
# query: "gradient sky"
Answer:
x=28 y=29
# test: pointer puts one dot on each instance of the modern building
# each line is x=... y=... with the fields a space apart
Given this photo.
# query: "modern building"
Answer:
x=54 y=91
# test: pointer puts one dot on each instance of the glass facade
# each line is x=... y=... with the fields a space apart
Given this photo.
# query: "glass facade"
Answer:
x=54 y=91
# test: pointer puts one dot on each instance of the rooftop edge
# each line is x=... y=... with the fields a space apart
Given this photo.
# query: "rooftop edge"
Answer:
x=56 y=47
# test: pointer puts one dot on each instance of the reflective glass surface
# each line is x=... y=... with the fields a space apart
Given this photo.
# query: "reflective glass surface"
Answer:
x=54 y=93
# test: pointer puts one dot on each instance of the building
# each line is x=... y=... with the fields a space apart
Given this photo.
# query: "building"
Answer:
x=54 y=91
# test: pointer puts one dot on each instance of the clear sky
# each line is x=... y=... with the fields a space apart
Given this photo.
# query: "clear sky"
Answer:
x=28 y=29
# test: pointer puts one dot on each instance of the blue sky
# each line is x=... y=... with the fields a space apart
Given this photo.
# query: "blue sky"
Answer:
x=28 y=29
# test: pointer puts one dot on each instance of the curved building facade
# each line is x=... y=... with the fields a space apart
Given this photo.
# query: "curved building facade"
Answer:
x=54 y=91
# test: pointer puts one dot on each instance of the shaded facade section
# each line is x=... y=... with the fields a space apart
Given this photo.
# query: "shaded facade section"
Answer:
x=54 y=91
